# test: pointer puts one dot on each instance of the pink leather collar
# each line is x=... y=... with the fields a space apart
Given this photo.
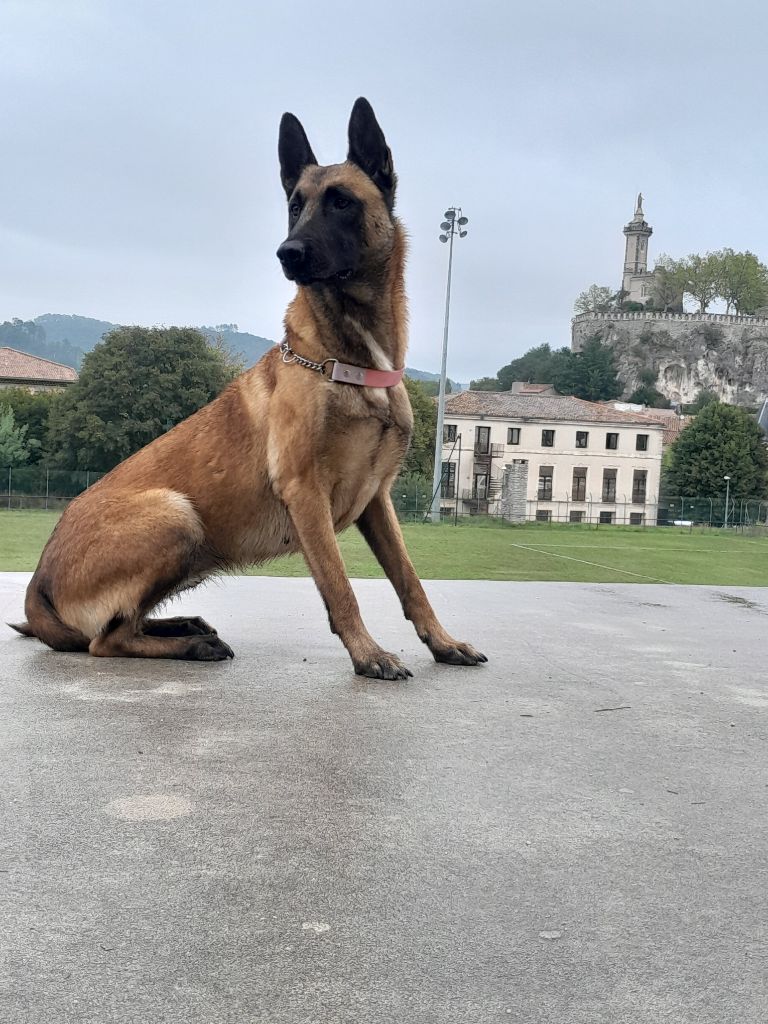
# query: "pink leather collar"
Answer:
x=345 y=373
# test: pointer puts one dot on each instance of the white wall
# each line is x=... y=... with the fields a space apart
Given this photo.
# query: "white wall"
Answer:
x=563 y=457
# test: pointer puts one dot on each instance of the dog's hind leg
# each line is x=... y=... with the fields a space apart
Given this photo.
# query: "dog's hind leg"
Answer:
x=151 y=545
x=177 y=625
x=125 y=641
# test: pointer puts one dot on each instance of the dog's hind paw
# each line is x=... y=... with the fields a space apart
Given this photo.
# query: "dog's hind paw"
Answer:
x=207 y=648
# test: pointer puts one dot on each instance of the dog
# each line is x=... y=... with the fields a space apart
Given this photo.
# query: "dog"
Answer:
x=301 y=446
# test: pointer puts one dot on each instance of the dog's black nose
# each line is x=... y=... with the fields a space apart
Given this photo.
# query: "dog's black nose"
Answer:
x=292 y=254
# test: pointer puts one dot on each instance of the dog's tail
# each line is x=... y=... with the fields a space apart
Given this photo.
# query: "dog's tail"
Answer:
x=22 y=627
x=43 y=622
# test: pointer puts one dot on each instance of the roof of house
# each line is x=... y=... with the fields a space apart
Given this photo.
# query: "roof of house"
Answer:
x=670 y=419
x=505 y=405
x=22 y=366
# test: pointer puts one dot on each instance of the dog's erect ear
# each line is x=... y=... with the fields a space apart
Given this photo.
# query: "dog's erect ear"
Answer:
x=368 y=149
x=294 y=151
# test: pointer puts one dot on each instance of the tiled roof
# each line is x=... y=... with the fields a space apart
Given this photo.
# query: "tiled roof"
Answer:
x=15 y=365
x=506 y=405
x=672 y=422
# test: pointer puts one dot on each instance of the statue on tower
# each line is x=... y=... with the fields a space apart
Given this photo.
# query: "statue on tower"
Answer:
x=639 y=206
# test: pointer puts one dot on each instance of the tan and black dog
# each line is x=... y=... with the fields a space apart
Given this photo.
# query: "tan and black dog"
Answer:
x=301 y=446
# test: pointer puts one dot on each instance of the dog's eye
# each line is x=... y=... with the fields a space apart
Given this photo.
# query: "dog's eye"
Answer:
x=294 y=209
x=340 y=202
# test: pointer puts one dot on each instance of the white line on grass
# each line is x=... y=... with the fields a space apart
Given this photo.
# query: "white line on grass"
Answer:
x=596 y=565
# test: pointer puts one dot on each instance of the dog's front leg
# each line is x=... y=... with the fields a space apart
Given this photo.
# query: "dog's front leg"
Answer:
x=380 y=527
x=311 y=515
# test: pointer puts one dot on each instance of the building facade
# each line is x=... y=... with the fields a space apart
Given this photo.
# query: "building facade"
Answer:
x=549 y=457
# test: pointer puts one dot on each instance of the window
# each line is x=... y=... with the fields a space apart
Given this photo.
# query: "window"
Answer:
x=639 y=481
x=606 y=518
x=579 y=485
x=582 y=438
x=543 y=515
x=609 y=485
x=449 y=432
x=513 y=435
x=576 y=516
x=482 y=440
x=448 y=480
x=480 y=487
x=612 y=441
x=641 y=443
x=545 y=483
x=636 y=518
x=547 y=439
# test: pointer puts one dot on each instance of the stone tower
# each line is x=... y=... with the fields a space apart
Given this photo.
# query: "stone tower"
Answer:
x=637 y=279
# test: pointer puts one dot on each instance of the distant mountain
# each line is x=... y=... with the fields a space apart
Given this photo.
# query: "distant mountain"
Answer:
x=79 y=332
x=424 y=375
x=29 y=336
x=250 y=346
x=66 y=339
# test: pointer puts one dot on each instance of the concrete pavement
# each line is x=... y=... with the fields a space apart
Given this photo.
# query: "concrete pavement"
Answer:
x=576 y=832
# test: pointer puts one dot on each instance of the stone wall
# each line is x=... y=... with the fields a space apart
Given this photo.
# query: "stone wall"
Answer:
x=514 y=491
x=687 y=352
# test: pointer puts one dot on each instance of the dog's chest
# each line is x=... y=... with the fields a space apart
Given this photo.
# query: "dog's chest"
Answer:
x=360 y=453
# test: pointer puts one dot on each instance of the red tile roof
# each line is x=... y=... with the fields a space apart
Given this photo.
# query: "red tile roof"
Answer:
x=22 y=366
x=506 y=405
x=672 y=422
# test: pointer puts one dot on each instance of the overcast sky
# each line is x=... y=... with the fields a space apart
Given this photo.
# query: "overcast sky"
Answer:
x=139 y=175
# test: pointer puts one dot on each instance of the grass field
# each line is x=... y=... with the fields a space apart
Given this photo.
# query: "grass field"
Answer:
x=492 y=552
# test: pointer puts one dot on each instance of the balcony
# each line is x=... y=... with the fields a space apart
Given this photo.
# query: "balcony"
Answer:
x=484 y=454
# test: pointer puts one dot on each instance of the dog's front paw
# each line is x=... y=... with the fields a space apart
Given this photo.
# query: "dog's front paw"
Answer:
x=381 y=665
x=456 y=653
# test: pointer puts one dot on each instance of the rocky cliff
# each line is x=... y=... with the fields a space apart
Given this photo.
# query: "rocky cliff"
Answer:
x=687 y=352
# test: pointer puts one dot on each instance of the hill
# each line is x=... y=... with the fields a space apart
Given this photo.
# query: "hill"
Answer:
x=66 y=338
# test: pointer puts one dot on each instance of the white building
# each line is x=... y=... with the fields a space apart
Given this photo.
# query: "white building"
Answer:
x=545 y=456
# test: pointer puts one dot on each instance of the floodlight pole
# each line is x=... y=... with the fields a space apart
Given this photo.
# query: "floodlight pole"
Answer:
x=727 y=499
x=452 y=217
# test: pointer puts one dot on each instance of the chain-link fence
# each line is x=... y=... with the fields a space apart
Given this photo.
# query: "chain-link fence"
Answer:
x=413 y=505
x=35 y=487
x=40 y=488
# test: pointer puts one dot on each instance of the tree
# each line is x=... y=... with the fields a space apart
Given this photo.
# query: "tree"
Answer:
x=485 y=384
x=420 y=457
x=704 y=398
x=596 y=299
x=647 y=393
x=723 y=440
x=669 y=280
x=703 y=275
x=539 y=365
x=14 y=450
x=134 y=385
x=590 y=374
x=432 y=387
x=31 y=410
x=743 y=281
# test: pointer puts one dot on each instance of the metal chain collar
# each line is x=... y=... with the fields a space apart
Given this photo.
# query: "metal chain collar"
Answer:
x=289 y=356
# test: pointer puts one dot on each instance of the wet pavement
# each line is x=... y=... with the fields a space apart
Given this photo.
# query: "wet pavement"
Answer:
x=576 y=832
